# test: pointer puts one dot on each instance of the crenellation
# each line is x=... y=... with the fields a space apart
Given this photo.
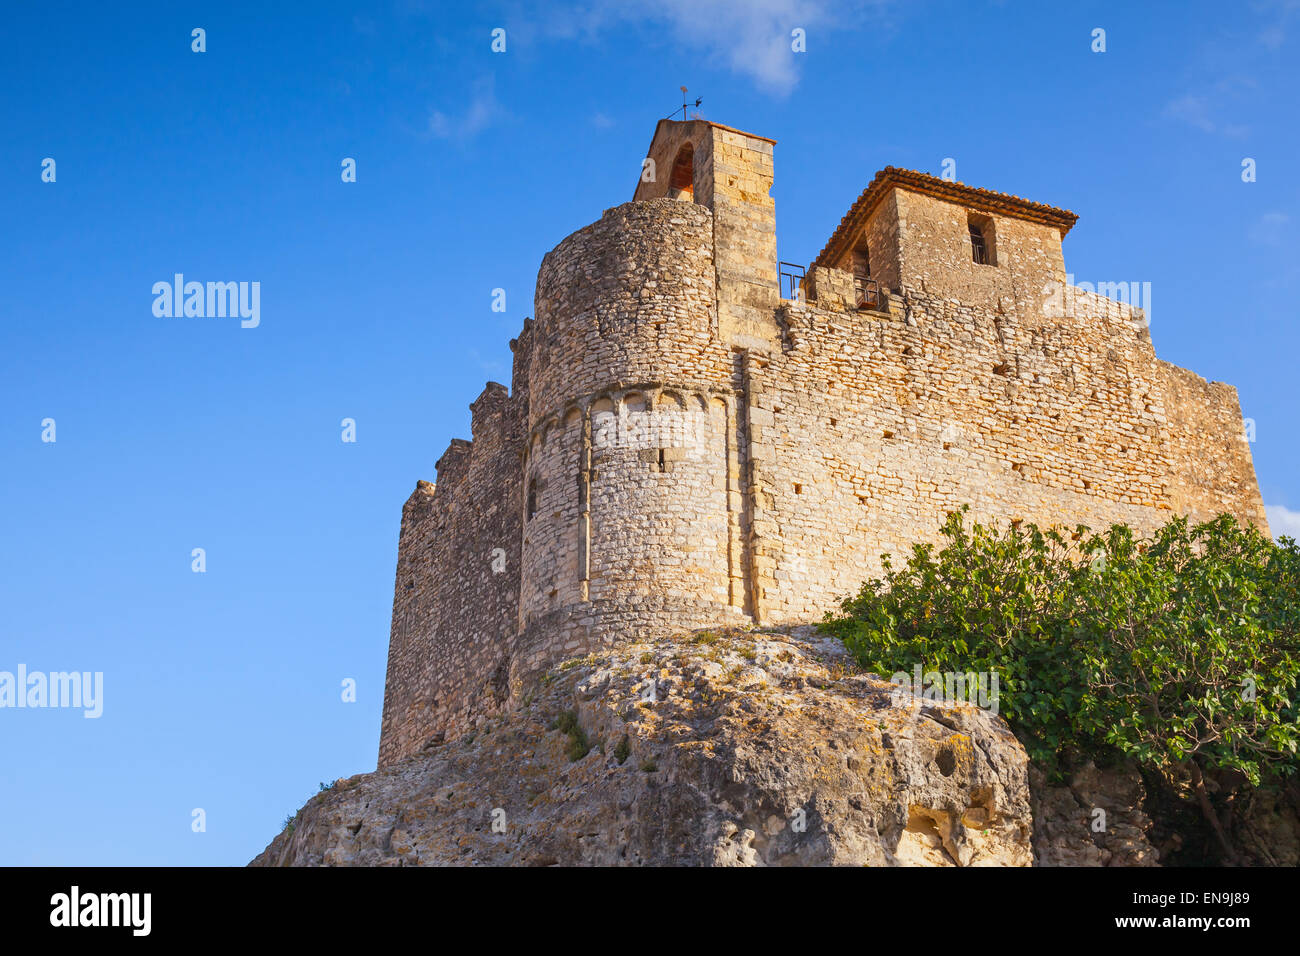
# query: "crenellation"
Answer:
x=453 y=464
x=680 y=448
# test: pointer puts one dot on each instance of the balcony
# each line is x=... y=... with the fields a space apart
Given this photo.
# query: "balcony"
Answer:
x=869 y=294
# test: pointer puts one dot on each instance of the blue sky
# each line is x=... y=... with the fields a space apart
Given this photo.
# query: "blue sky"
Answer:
x=222 y=690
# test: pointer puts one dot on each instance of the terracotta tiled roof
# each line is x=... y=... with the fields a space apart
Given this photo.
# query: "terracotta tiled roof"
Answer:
x=984 y=200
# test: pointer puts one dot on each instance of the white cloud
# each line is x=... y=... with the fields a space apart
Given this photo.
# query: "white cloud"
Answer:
x=1192 y=110
x=1205 y=109
x=749 y=37
x=1198 y=111
x=1270 y=228
x=1274 y=35
x=483 y=111
x=1283 y=521
x=489 y=366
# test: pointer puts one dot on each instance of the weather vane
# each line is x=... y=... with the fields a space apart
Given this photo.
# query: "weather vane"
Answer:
x=685 y=104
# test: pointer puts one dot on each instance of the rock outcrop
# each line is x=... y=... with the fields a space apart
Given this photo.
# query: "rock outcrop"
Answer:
x=1267 y=830
x=1111 y=817
x=735 y=748
x=1095 y=819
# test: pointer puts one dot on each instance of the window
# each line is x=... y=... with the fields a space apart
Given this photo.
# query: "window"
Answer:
x=866 y=289
x=681 y=184
x=532 y=499
x=981 y=239
x=977 y=248
x=862 y=262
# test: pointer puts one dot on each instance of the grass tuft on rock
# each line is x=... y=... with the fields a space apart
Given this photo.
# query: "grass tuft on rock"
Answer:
x=578 y=746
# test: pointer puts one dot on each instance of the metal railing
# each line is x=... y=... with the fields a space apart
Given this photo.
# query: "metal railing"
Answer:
x=789 y=275
x=870 y=294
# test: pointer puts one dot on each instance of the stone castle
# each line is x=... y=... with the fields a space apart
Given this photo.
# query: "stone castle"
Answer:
x=682 y=445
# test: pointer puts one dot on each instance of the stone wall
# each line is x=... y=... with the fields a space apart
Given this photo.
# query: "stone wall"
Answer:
x=1206 y=441
x=934 y=254
x=880 y=423
x=456 y=597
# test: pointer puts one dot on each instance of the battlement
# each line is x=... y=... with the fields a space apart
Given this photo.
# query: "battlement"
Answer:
x=680 y=447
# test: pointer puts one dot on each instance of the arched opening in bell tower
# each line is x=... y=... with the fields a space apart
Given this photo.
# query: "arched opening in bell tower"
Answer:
x=681 y=182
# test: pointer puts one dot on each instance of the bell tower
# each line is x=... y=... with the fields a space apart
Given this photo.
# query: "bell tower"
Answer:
x=730 y=172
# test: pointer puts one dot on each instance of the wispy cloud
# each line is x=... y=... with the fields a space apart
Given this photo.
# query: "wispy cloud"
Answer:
x=750 y=37
x=482 y=111
x=1273 y=36
x=1283 y=521
x=1200 y=110
x=1270 y=229
x=1226 y=67
x=1283 y=12
x=1193 y=110
x=488 y=366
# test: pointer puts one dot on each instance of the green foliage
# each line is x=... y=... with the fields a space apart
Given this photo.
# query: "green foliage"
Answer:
x=567 y=723
x=623 y=750
x=1182 y=647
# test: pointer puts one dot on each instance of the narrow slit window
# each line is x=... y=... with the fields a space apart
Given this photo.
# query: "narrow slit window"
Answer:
x=981 y=230
x=866 y=289
x=681 y=182
x=979 y=252
x=861 y=262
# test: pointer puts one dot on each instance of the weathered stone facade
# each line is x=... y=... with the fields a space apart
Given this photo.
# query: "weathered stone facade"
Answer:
x=681 y=447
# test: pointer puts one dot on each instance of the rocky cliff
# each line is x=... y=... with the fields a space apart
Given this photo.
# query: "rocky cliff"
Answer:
x=714 y=749
x=756 y=748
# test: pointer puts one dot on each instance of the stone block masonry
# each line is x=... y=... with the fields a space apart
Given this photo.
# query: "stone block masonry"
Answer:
x=681 y=448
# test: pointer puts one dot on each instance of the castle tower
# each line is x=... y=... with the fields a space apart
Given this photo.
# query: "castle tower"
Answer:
x=636 y=465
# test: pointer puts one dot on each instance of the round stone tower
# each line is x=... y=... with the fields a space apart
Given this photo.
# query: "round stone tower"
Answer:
x=632 y=505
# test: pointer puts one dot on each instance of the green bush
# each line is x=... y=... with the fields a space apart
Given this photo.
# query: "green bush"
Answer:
x=578 y=745
x=1177 y=651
